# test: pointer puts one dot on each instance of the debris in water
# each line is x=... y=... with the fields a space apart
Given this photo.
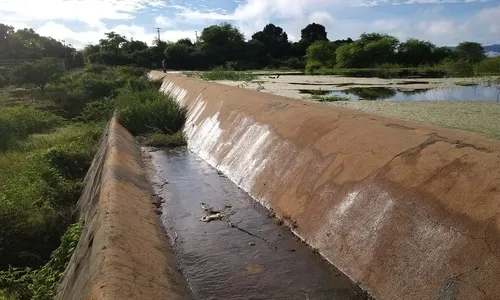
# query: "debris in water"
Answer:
x=209 y=209
x=212 y=217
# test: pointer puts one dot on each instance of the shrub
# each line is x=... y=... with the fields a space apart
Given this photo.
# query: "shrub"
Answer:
x=3 y=81
x=489 y=66
x=97 y=111
x=39 y=185
x=458 y=68
x=149 y=111
x=313 y=66
x=40 y=284
x=17 y=123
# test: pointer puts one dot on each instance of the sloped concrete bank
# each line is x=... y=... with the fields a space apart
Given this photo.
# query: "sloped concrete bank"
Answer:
x=122 y=252
x=406 y=210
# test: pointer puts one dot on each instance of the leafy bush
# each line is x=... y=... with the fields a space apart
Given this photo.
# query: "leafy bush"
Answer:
x=17 y=123
x=39 y=186
x=40 y=284
x=489 y=66
x=97 y=111
x=458 y=68
x=149 y=111
x=313 y=66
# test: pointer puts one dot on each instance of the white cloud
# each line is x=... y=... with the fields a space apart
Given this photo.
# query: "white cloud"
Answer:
x=80 y=39
x=91 y=12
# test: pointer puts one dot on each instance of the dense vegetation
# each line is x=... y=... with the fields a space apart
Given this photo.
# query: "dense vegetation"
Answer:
x=225 y=48
x=49 y=128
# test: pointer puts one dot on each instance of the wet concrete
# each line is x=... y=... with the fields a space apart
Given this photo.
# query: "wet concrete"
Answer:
x=247 y=254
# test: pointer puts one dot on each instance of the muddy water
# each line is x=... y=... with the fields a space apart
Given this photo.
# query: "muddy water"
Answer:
x=246 y=255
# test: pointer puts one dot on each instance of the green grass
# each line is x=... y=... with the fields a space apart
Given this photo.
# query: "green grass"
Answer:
x=162 y=140
x=224 y=74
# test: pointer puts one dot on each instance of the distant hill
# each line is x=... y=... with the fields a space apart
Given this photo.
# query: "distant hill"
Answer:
x=492 y=50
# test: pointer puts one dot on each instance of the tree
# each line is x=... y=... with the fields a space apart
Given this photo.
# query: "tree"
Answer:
x=39 y=73
x=313 y=32
x=323 y=52
x=415 y=52
x=179 y=54
x=439 y=54
x=273 y=41
x=378 y=48
x=470 y=51
x=221 y=44
x=350 y=56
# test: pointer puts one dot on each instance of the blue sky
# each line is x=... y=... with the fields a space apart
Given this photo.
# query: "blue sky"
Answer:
x=443 y=22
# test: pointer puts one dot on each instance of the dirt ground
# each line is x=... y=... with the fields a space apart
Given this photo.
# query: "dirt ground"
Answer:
x=475 y=116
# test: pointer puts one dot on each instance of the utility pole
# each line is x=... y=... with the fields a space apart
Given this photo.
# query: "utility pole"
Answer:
x=158 y=30
x=196 y=34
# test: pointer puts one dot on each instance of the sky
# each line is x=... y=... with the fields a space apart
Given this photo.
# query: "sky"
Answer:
x=81 y=22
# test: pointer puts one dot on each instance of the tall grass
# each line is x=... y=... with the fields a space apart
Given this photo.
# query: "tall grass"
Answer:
x=149 y=111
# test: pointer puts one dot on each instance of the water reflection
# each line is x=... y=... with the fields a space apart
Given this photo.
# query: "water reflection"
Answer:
x=462 y=93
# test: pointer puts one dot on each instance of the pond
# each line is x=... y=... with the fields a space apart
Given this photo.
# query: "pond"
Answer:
x=462 y=93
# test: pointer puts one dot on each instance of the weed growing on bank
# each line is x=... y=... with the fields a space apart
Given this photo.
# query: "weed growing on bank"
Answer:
x=147 y=111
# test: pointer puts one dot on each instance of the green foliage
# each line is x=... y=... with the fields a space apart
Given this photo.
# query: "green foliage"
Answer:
x=489 y=66
x=322 y=52
x=17 y=123
x=221 y=43
x=414 y=52
x=458 y=68
x=312 y=67
x=470 y=52
x=40 y=183
x=41 y=284
x=39 y=73
x=227 y=74
x=149 y=111
x=163 y=140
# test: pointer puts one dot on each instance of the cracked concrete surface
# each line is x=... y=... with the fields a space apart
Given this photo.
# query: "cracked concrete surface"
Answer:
x=407 y=210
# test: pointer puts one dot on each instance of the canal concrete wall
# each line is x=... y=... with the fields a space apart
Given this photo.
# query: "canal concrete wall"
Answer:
x=408 y=211
x=122 y=252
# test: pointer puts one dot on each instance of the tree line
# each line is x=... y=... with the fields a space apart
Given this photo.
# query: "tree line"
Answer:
x=224 y=45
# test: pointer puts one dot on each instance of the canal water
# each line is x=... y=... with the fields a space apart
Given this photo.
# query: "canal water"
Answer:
x=245 y=255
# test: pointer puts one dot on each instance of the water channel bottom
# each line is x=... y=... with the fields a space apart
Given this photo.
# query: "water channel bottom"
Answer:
x=247 y=254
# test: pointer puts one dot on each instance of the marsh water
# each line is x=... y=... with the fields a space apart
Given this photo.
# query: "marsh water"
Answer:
x=460 y=93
